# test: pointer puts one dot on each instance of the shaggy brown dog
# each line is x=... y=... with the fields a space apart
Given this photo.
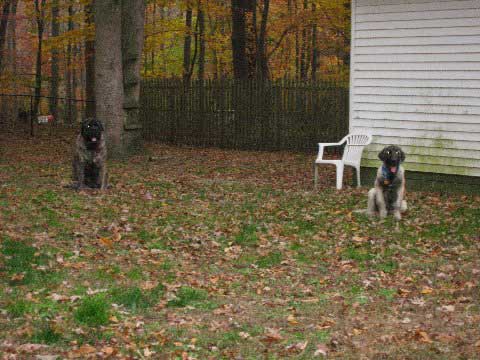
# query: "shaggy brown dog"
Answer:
x=389 y=191
x=89 y=160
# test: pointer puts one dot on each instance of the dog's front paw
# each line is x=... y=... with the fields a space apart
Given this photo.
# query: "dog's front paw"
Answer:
x=397 y=215
x=383 y=214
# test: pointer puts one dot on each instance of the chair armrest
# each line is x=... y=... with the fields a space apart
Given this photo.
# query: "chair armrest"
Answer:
x=321 y=146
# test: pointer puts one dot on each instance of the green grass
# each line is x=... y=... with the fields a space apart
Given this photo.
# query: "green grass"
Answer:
x=187 y=296
x=46 y=333
x=270 y=260
x=134 y=298
x=93 y=311
x=247 y=236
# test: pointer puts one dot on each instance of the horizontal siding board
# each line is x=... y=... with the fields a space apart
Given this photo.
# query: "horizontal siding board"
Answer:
x=417 y=58
x=418 y=108
x=418 y=24
x=432 y=160
x=422 y=167
x=409 y=33
x=422 y=150
x=419 y=15
x=414 y=116
x=418 y=75
x=430 y=92
x=417 y=66
x=421 y=40
x=412 y=133
x=415 y=125
x=425 y=83
x=362 y=3
x=419 y=50
x=431 y=143
x=418 y=6
x=418 y=100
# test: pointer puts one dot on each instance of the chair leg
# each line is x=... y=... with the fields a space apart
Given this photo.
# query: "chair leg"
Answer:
x=357 y=170
x=339 y=176
x=315 y=181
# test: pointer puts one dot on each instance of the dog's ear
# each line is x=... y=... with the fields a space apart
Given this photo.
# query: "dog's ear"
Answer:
x=100 y=126
x=382 y=155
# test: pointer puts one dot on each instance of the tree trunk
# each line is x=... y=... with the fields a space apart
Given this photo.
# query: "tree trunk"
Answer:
x=108 y=72
x=40 y=20
x=314 y=46
x=239 y=40
x=262 y=62
x=133 y=21
x=89 y=66
x=54 y=65
x=201 y=35
x=3 y=29
x=303 y=51
x=187 y=45
x=118 y=45
x=69 y=71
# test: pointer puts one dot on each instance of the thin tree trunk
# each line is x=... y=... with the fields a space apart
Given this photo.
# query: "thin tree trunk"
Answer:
x=239 y=40
x=314 y=45
x=303 y=56
x=201 y=35
x=69 y=71
x=40 y=20
x=187 y=45
x=152 y=53
x=54 y=65
x=3 y=29
x=262 y=62
x=89 y=66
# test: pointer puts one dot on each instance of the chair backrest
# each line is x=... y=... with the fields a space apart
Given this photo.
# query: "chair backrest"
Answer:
x=352 y=154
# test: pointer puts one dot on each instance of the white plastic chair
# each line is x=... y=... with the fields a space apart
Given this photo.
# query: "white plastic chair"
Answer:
x=352 y=155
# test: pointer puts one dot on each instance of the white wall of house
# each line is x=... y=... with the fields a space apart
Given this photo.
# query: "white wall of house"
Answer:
x=415 y=81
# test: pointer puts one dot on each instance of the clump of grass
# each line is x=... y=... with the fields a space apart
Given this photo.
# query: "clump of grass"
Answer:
x=93 y=311
x=188 y=296
x=360 y=255
x=272 y=259
x=46 y=333
x=248 y=236
x=19 y=308
x=19 y=258
x=134 y=298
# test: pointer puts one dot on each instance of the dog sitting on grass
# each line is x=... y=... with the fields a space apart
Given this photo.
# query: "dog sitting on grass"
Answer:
x=388 y=194
x=89 y=160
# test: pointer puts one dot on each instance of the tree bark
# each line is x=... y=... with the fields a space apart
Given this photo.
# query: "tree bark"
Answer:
x=108 y=72
x=201 y=35
x=262 y=61
x=118 y=45
x=89 y=66
x=133 y=21
x=314 y=66
x=187 y=44
x=54 y=65
x=40 y=20
x=239 y=39
x=3 y=29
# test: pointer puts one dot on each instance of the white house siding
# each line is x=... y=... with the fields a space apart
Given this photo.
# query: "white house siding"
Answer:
x=415 y=81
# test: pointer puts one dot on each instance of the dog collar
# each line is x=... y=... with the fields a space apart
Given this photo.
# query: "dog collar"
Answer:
x=388 y=175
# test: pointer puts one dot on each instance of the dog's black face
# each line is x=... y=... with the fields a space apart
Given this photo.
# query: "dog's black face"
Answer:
x=92 y=130
x=392 y=156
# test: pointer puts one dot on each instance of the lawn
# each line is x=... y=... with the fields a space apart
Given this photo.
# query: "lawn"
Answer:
x=221 y=254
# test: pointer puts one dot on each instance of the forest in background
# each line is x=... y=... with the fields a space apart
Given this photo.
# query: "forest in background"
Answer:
x=47 y=46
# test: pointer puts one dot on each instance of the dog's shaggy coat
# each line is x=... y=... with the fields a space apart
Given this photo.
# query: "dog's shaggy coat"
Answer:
x=388 y=194
x=89 y=160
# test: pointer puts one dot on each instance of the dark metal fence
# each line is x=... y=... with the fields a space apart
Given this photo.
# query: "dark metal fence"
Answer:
x=276 y=115
x=16 y=113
